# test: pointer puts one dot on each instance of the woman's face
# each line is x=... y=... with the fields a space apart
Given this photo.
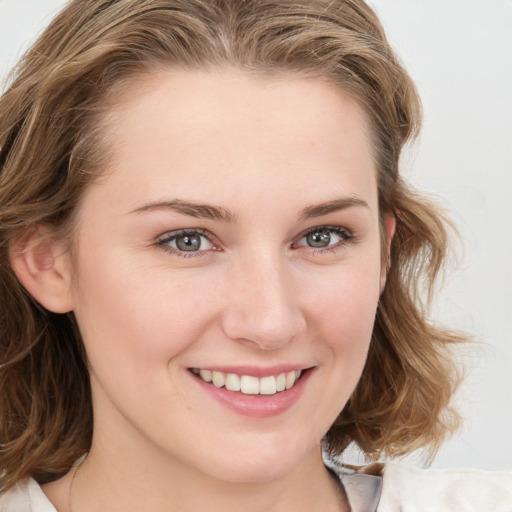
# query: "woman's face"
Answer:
x=235 y=236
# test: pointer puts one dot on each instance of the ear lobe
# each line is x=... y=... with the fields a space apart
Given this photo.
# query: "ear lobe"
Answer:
x=42 y=265
x=389 y=233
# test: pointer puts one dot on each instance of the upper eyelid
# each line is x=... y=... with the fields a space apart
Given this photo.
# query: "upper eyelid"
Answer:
x=168 y=235
x=339 y=229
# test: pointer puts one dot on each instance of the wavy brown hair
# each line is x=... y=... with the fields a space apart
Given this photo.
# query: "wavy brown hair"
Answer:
x=52 y=147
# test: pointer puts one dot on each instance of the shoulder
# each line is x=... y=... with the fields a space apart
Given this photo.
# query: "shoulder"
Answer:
x=444 y=490
x=25 y=496
x=401 y=487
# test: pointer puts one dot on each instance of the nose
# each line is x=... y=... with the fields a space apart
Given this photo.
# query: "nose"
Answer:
x=262 y=304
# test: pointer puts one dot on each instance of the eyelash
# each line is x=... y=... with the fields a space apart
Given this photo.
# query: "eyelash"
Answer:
x=344 y=234
x=163 y=242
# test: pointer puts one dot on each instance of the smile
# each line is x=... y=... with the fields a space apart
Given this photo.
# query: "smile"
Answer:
x=249 y=384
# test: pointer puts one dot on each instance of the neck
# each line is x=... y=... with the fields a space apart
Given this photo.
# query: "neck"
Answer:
x=101 y=485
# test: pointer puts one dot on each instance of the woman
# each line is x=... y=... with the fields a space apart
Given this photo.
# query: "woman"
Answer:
x=212 y=269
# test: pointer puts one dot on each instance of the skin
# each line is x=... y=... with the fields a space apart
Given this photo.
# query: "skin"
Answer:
x=265 y=152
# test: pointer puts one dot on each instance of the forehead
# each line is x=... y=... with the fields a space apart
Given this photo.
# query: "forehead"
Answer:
x=183 y=130
x=232 y=97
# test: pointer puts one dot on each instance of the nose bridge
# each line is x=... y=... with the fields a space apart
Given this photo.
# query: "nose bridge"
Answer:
x=262 y=307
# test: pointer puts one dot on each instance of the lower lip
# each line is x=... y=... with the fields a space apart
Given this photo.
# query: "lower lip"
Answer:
x=256 y=406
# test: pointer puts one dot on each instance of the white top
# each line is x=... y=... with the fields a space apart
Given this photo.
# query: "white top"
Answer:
x=444 y=490
x=402 y=488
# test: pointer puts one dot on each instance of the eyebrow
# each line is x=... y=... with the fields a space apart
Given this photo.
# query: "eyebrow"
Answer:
x=200 y=211
x=333 y=206
x=206 y=211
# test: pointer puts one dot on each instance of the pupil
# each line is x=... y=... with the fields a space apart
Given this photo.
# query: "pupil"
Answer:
x=188 y=242
x=319 y=238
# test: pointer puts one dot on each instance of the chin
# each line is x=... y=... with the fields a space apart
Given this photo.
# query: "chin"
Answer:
x=255 y=472
x=266 y=462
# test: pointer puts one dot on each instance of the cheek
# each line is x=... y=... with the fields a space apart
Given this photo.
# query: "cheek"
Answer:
x=346 y=304
x=132 y=317
x=343 y=315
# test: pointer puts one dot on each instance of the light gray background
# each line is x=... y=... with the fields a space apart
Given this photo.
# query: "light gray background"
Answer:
x=460 y=54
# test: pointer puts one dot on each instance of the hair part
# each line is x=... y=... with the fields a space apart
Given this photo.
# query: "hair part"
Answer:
x=52 y=146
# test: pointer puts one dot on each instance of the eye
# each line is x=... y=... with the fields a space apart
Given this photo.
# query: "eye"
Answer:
x=186 y=241
x=324 y=237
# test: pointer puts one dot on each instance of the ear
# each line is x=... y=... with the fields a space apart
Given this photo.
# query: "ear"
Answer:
x=389 y=228
x=43 y=267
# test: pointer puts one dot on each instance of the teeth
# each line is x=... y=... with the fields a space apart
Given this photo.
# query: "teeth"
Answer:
x=281 y=382
x=249 y=384
x=290 y=379
x=218 y=379
x=206 y=375
x=268 y=386
x=233 y=382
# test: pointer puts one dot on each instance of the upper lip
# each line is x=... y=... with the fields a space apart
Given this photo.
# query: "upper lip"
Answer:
x=255 y=371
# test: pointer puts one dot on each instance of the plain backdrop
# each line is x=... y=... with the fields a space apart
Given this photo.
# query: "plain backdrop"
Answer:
x=460 y=54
